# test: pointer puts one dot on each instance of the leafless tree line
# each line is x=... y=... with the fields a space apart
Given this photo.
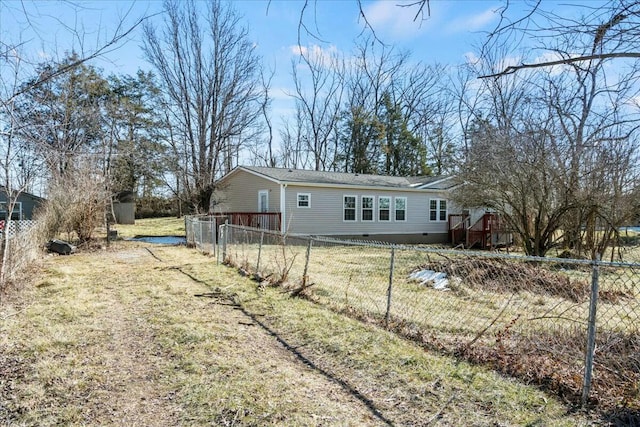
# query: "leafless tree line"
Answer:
x=551 y=146
x=365 y=111
x=31 y=146
x=554 y=146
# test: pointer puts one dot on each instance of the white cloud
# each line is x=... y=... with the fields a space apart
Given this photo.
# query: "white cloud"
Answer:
x=317 y=54
x=313 y=50
x=472 y=58
x=475 y=22
x=390 y=18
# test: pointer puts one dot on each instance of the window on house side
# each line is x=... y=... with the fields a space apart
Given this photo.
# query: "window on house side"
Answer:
x=384 y=206
x=304 y=200
x=437 y=210
x=349 y=204
x=367 y=208
x=401 y=208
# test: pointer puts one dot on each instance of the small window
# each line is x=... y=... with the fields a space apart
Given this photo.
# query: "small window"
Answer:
x=401 y=208
x=304 y=200
x=433 y=210
x=367 y=208
x=15 y=215
x=384 y=206
x=349 y=208
x=437 y=210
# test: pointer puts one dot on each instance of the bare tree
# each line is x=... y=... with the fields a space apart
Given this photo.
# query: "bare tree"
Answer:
x=583 y=122
x=211 y=75
x=319 y=101
x=510 y=166
x=293 y=149
x=601 y=32
x=265 y=156
x=370 y=78
x=22 y=157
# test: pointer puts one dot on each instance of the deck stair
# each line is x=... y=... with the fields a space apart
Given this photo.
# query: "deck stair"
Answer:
x=487 y=232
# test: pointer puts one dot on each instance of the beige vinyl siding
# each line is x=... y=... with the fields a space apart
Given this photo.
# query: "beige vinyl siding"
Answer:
x=241 y=193
x=325 y=216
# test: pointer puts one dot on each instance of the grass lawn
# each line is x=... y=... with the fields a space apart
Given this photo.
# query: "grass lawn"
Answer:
x=169 y=226
x=160 y=335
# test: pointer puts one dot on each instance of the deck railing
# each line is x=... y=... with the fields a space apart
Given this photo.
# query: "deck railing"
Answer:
x=262 y=220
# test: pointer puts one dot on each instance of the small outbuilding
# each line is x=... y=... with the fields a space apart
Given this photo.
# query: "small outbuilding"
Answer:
x=24 y=208
x=124 y=208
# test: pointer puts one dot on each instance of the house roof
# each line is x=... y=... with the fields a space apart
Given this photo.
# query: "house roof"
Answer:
x=23 y=194
x=292 y=176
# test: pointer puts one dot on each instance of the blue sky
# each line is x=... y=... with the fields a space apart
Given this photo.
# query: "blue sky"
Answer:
x=444 y=37
x=453 y=30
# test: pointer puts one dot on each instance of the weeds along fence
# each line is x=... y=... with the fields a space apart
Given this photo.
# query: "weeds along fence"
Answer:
x=20 y=247
x=201 y=232
x=569 y=326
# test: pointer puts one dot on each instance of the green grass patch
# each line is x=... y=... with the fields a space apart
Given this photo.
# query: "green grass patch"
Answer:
x=169 y=226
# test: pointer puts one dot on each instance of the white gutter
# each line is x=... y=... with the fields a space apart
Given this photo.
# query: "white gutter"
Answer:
x=283 y=210
x=360 y=187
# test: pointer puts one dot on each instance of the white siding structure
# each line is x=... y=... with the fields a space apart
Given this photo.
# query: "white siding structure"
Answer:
x=346 y=205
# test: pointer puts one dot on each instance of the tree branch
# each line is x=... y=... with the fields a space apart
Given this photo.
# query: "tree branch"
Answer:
x=513 y=68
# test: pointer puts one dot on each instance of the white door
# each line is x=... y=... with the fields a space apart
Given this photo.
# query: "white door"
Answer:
x=263 y=201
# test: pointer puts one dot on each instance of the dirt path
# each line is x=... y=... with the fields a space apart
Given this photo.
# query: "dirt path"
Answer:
x=118 y=338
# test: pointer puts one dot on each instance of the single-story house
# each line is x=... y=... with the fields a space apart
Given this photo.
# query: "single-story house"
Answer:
x=345 y=205
x=24 y=208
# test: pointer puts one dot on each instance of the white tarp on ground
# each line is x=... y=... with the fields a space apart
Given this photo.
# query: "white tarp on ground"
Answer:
x=437 y=279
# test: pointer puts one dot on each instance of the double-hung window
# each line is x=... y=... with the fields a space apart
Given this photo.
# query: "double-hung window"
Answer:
x=349 y=208
x=304 y=200
x=367 y=208
x=400 y=208
x=437 y=210
x=384 y=207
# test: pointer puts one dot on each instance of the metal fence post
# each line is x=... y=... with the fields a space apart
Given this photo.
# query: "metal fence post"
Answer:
x=259 y=252
x=305 y=275
x=591 y=338
x=219 y=241
x=391 y=267
x=212 y=233
x=225 y=232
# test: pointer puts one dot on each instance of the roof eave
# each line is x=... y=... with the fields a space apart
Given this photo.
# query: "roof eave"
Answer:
x=252 y=172
x=361 y=186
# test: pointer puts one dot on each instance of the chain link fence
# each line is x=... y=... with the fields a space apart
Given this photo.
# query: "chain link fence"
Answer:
x=201 y=232
x=570 y=326
x=18 y=248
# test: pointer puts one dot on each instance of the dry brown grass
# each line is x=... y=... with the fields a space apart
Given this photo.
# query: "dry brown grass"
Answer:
x=524 y=319
x=161 y=336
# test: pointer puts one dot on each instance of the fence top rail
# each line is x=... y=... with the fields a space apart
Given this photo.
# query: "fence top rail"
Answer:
x=444 y=251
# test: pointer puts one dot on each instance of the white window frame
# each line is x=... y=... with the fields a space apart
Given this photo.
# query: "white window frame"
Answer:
x=260 y=193
x=373 y=208
x=395 y=209
x=17 y=208
x=355 y=208
x=308 y=200
x=438 y=210
x=388 y=208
